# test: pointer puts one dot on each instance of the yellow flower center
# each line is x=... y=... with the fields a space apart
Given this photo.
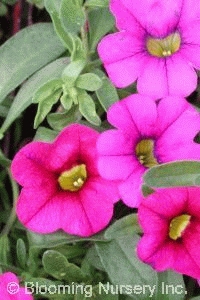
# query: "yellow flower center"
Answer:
x=178 y=225
x=145 y=153
x=72 y=180
x=164 y=47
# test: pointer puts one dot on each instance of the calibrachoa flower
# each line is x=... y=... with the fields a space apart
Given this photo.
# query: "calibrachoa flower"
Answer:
x=148 y=133
x=10 y=288
x=158 y=44
x=62 y=188
x=170 y=219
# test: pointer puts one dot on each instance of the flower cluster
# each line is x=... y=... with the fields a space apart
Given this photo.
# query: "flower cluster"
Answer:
x=156 y=125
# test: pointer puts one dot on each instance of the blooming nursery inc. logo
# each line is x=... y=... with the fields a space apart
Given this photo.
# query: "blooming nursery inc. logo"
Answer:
x=88 y=222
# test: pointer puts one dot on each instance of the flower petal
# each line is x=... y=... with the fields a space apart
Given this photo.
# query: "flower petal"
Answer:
x=123 y=55
x=143 y=112
x=130 y=189
x=34 y=202
x=193 y=205
x=156 y=222
x=156 y=85
x=190 y=47
x=167 y=203
x=190 y=11
x=115 y=142
x=154 y=249
x=147 y=12
x=31 y=166
x=120 y=117
x=78 y=142
x=116 y=167
x=176 y=143
x=125 y=19
x=87 y=212
x=181 y=77
x=169 y=110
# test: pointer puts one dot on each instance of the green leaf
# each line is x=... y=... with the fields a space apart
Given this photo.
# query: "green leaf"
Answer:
x=87 y=108
x=107 y=93
x=4 y=161
x=59 y=120
x=57 y=265
x=72 y=16
x=57 y=239
x=4 y=249
x=24 y=97
x=45 y=134
x=103 y=295
x=170 y=286
x=101 y=22
x=66 y=101
x=93 y=258
x=97 y=3
x=146 y=190
x=123 y=226
x=72 y=71
x=9 y=2
x=53 y=8
x=180 y=173
x=45 y=105
x=79 y=51
x=21 y=253
x=3 y=9
x=89 y=81
x=26 y=52
x=124 y=268
x=45 y=91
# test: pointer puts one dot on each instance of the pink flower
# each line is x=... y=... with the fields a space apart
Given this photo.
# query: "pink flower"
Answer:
x=62 y=188
x=147 y=134
x=158 y=44
x=170 y=219
x=10 y=289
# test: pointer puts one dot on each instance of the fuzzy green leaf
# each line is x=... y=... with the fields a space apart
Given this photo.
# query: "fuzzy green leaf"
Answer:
x=97 y=3
x=24 y=97
x=72 y=16
x=21 y=253
x=57 y=265
x=26 y=52
x=88 y=109
x=53 y=8
x=89 y=81
x=180 y=173
x=107 y=93
x=101 y=21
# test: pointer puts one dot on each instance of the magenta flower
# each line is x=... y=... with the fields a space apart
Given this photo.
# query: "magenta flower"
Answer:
x=158 y=44
x=62 y=188
x=147 y=134
x=10 y=288
x=170 y=219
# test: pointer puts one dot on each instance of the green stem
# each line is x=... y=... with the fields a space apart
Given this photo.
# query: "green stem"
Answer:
x=12 y=217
